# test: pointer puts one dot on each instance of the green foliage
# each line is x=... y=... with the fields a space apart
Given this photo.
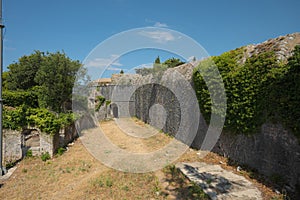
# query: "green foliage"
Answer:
x=258 y=90
x=45 y=156
x=121 y=72
x=157 y=60
x=29 y=154
x=284 y=95
x=99 y=101
x=51 y=75
x=21 y=75
x=208 y=85
x=19 y=98
x=103 y=181
x=107 y=102
x=173 y=62
x=45 y=120
x=37 y=84
x=159 y=67
x=56 y=78
x=14 y=118
x=60 y=151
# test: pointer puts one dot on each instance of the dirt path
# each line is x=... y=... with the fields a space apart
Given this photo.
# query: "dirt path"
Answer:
x=78 y=175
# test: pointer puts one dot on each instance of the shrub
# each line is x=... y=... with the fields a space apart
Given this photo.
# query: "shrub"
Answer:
x=29 y=153
x=45 y=156
x=60 y=151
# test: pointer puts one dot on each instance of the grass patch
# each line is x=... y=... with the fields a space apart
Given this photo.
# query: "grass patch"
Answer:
x=121 y=185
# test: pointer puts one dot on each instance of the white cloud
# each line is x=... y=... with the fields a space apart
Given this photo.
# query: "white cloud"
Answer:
x=104 y=62
x=148 y=65
x=158 y=36
x=114 y=69
x=160 y=25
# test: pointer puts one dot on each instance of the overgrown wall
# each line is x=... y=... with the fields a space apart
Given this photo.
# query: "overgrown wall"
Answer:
x=14 y=145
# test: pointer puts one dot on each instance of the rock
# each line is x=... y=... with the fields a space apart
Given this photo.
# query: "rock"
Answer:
x=219 y=183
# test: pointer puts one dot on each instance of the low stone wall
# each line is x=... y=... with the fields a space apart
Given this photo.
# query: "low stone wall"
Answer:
x=274 y=152
x=12 y=142
x=49 y=143
x=15 y=144
x=67 y=135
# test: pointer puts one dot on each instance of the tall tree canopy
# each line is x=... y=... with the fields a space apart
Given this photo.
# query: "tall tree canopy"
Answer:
x=51 y=75
x=157 y=60
x=21 y=75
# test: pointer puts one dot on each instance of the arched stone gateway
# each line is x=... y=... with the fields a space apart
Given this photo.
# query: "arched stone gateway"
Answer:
x=114 y=110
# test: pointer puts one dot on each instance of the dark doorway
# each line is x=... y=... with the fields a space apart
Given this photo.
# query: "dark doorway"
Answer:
x=115 y=111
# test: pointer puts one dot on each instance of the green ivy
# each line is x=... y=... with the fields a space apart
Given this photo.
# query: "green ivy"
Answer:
x=47 y=121
x=260 y=89
x=100 y=101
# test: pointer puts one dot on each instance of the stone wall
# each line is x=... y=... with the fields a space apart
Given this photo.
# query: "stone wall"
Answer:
x=273 y=151
x=153 y=94
x=49 y=143
x=67 y=135
x=16 y=143
x=12 y=142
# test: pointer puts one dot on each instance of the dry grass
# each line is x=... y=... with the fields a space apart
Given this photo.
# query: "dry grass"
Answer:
x=77 y=175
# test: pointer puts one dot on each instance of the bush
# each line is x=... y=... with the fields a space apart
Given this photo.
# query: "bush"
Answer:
x=60 y=151
x=45 y=156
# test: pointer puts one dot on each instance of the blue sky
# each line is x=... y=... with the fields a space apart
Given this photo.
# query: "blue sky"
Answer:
x=77 y=27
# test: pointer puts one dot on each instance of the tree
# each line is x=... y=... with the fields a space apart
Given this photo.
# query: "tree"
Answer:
x=21 y=74
x=173 y=62
x=56 y=78
x=50 y=75
x=157 y=60
x=121 y=72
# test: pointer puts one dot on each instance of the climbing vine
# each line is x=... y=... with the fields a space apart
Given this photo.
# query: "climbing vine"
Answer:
x=99 y=102
x=47 y=121
x=260 y=89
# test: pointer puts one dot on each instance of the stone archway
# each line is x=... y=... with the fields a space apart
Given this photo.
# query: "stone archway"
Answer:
x=114 y=110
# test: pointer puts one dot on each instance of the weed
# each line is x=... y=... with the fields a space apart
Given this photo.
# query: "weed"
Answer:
x=60 y=151
x=45 y=156
x=125 y=188
x=24 y=170
x=108 y=182
x=103 y=181
x=84 y=167
x=68 y=170
x=10 y=164
x=98 y=182
x=156 y=186
x=29 y=154
x=196 y=191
